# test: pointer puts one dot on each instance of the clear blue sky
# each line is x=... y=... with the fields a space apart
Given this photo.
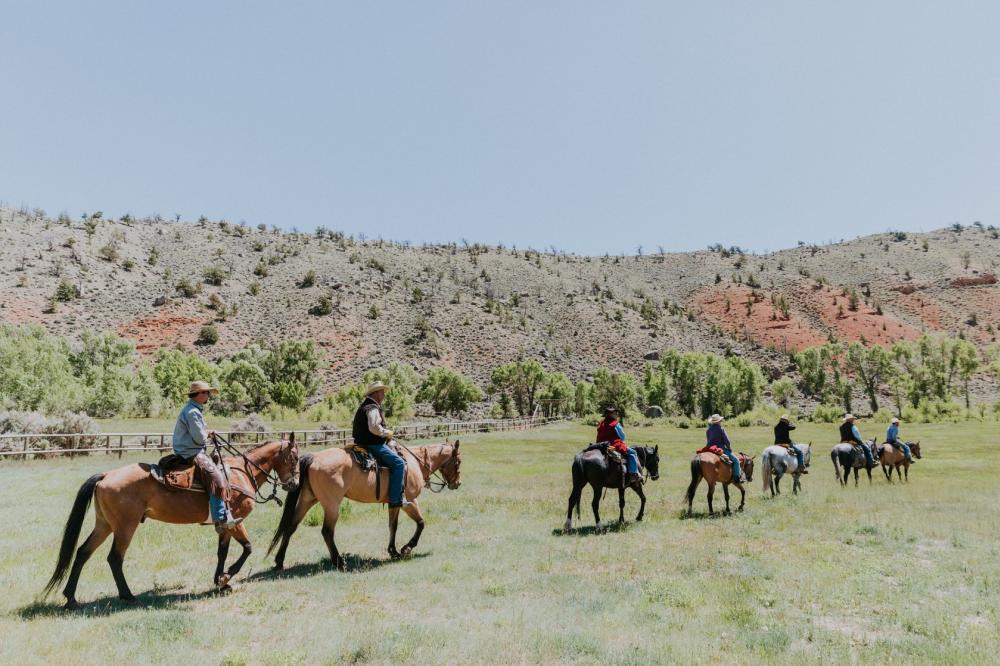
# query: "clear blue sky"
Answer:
x=591 y=126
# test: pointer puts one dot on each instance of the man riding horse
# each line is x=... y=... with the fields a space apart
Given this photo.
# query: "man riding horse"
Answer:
x=892 y=437
x=849 y=434
x=190 y=441
x=716 y=436
x=610 y=430
x=783 y=437
x=369 y=432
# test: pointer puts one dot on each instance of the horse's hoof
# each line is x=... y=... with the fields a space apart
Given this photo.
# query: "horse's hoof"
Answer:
x=222 y=581
x=406 y=550
x=71 y=604
x=130 y=600
x=568 y=526
x=225 y=589
x=278 y=567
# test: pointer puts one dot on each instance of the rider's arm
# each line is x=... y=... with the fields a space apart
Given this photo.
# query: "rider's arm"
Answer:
x=375 y=424
x=856 y=433
x=725 y=439
x=620 y=431
x=196 y=426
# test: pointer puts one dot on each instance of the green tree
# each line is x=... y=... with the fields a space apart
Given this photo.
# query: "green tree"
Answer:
x=292 y=369
x=402 y=380
x=870 y=365
x=556 y=395
x=616 y=389
x=243 y=386
x=967 y=363
x=583 y=399
x=175 y=369
x=36 y=373
x=448 y=392
x=518 y=382
x=782 y=391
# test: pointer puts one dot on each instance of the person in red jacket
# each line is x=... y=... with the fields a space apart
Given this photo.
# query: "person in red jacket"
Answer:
x=610 y=430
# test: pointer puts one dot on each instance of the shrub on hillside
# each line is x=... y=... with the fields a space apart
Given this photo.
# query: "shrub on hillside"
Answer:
x=208 y=335
x=448 y=392
x=827 y=413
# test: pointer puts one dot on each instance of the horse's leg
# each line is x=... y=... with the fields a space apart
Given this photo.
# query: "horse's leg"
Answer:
x=413 y=511
x=642 y=502
x=869 y=470
x=595 y=504
x=743 y=496
x=93 y=542
x=887 y=470
x=711 y=492
x=725 y=491
x=770 y=482
x=223 y=552
x=330 y=515
x=621 y=505
x=240 y=532
x=777 y=484
x=574 y=500
x=906 y=468
x=855 y=477
x=393 y=525
x=123 y=537
x=306 y=501
x=796 y=484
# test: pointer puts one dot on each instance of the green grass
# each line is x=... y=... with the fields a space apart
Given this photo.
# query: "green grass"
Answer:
x=876 y=574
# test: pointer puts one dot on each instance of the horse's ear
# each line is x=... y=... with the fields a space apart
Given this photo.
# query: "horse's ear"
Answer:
x=291 y=438
x=456 y=444
x=656 y=449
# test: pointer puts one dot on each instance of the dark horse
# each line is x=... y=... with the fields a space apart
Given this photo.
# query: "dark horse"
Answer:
x=847 y=456
x=591 y=466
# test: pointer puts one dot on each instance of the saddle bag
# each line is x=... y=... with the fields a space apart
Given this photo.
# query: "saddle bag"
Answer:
x=177 y=473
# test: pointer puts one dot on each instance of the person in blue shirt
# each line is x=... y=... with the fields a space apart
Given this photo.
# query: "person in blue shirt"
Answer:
x=716 y=436
x=892 y=437
x=610 y=430
x=190 y=441
x=849 y=434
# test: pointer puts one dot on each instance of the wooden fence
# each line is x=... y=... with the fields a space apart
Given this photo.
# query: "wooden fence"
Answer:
x=46 y=445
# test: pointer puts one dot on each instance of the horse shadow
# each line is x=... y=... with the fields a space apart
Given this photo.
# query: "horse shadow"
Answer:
x=592 y=530
x=705 y=515
x=154 y=599
x=353 y=564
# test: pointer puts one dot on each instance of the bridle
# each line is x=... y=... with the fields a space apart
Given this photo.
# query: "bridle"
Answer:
x=221 y=443
x=433 y=480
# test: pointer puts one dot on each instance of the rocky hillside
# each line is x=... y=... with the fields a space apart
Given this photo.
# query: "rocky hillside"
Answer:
x=368 y=302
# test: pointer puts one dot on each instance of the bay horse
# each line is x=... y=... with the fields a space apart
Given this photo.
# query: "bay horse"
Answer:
x=776 y=461
x=849 y=457
x=126 y=496
x=591 y=466
x=330 y=475
x=892 y=457
x=710 y=467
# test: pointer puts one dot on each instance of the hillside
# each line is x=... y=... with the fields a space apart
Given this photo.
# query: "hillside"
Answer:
x=475 y=307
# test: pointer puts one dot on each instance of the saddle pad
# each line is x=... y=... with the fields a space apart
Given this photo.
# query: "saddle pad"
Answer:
x=178 y=479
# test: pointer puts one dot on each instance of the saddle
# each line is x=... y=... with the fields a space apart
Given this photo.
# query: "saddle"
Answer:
x=363 y=459
x=716 y=451
x=180 y=474
x=616 y=461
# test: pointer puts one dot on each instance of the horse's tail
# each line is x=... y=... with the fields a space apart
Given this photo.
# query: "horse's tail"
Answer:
x=71 y=533
x=695 y=478
x=836 y=465
x=765 y=469
x=285 y=525
x=579 y=481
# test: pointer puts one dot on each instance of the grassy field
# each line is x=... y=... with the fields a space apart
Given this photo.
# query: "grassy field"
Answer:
x=877 y=574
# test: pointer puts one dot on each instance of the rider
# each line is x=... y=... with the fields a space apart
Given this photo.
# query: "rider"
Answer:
x=189 y=442
x=849 y=434
x=370 y=432
x=717 y=436
x=892 y=437
x=610 y=430
x=783 y=437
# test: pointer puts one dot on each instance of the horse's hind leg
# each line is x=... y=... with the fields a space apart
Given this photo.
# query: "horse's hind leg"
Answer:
x=223 y=552
x=93 y=542
x=711 y=493
x=123 y=537
x=595 y=504
x=642 y=502
x=574 y=500
x=306 y=501
x=240 y=533
x=621 y=506
x=888 y=472
x=413 y=511
x=743 y=497
x=331 y=513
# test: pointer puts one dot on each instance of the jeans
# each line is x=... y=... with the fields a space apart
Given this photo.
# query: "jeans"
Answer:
x=736 y=464
x=798 y=455
x=397 y=470
x=217 y=508
x=868 y=454
x=904 y=448
x=632 y=464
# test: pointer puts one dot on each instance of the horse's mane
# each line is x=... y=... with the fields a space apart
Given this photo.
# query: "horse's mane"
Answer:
x=262 y=444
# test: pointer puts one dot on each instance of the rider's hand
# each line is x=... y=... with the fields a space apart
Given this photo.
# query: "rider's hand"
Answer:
x=211 y=434
x=389 y=434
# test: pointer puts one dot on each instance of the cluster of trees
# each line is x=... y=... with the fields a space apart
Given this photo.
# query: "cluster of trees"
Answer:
x=931 y=369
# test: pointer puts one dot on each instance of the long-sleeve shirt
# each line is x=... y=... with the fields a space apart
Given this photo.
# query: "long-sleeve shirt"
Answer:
x=892 y=434
x=376 y=424
x=856 y=433
x=190 y=435
x=717 y=436
x=782 y=433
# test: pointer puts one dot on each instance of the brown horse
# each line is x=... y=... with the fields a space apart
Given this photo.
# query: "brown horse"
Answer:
x=892 y=457
x=711 y=467
x=128 y=495
x=331 y=475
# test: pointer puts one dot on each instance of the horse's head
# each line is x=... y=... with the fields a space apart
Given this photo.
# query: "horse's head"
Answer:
x=915 y=449
x=649 y=456
x=286 y=464
x=807 y=455
x=451 y=469
x=747 y=464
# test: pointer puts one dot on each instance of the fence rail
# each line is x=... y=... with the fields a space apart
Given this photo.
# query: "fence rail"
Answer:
x=50 y=445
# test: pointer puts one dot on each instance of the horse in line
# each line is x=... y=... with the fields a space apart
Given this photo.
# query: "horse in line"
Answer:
x=776 y=461
x=591 y=466
x=847 y=457
x=891 y=457
x=125 y=497
x=710 y=467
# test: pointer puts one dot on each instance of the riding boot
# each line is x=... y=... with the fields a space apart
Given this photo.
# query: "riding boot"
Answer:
x=633 y=478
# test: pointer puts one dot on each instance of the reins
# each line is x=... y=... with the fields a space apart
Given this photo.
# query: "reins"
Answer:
x=433 y=476
x=221 y=443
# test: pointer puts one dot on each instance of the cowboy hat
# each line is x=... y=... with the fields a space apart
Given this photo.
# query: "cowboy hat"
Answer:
x=377 y=386
x=784 y=417
x=200 y=386
x=715 y=418
x=610 y=410
x=895 y=420
x=849 y=417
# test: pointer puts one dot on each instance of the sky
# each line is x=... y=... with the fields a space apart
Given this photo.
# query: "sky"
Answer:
x=592 y=127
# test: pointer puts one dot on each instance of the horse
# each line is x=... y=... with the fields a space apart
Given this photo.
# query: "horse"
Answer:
x=591 y=466
x=850 y=456
x=892 y=457
x=777 y=461
x=330 y=475
x=127 y=496
x=711 y=467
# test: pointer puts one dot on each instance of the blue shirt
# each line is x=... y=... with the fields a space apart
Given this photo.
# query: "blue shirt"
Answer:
x=892 y=434
x=856 y=432
x=190 y=436
x=717 y=436
x=620 y=431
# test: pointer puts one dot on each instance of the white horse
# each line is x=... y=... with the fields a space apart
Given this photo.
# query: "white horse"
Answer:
x=779 y=461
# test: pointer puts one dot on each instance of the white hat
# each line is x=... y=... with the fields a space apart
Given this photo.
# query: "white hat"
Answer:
x=849 y=417
x=715 y=418
x=784 y=417
x=377 y=386
x=895 y=420
x=199 y=386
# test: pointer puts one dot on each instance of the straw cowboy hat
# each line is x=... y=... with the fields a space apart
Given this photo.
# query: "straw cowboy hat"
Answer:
x=715 y=418
x=377 y=386
x=848 y=417
x=895 y=420
x=784 y=417
x=199 y=386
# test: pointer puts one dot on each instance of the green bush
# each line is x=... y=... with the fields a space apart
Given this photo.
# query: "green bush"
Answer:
x=782 y=391
x=174 y=371
x=215 y=275
x=66 y=291
x=208 y=335
x=827 y=413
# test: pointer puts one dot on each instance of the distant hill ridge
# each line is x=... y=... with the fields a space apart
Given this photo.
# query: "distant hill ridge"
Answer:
x=473 y=307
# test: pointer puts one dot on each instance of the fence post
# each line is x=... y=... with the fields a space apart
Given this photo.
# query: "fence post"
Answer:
x=121 y=445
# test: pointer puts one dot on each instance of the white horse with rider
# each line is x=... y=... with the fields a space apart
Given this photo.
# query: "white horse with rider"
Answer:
x=778 y=461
